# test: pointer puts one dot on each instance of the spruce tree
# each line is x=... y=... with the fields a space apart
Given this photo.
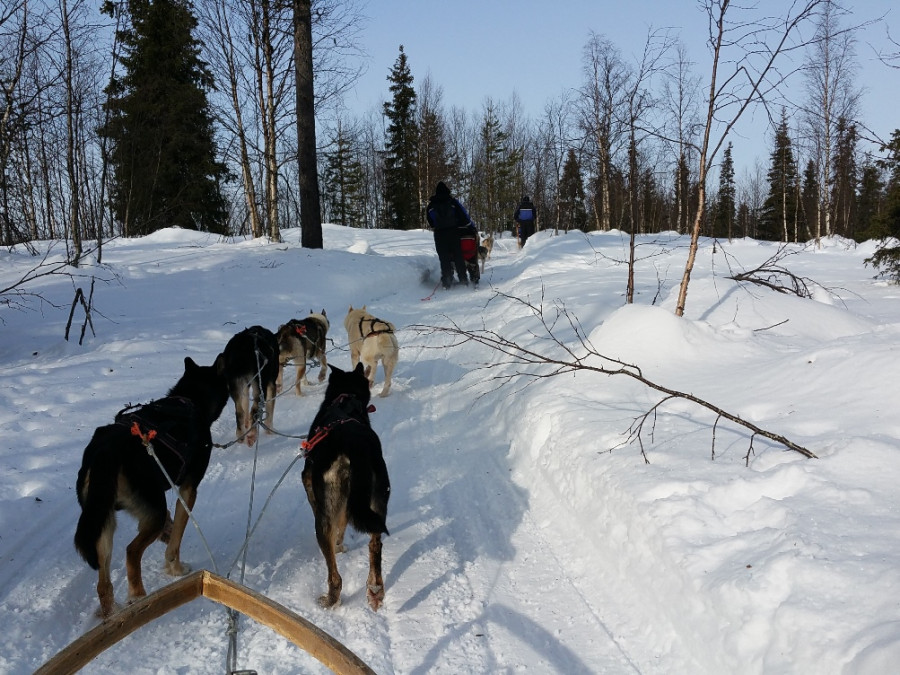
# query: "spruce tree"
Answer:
x=401 y=150
x=163 y=154
x=343 y=179
x=844 y=179
x=494 y=190
x=887 y=223
x=572 y=212
x=809 y=200
x=869 y=201
x=723 y=224
x=779 y=212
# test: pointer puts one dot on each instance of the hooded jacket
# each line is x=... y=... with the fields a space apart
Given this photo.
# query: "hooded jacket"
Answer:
x=445 y=212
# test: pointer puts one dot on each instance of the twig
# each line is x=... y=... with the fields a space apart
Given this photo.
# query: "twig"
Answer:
x=542 y=365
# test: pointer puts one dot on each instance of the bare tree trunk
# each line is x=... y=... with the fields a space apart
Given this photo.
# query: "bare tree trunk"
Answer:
x=74 y=190
x=270 y=135
x=717 y=10
x=308 y=178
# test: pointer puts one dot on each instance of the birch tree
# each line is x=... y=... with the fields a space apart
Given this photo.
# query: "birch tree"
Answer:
x=748 y=51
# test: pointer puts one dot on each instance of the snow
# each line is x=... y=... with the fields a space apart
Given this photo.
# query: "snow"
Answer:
x=526 y=534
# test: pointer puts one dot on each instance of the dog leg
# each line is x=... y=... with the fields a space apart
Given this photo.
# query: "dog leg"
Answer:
x=375 y=584
x=149 y=530
x=301 y=375
x=279 y=381
x=388 y=366
x=174 y=566
x=324 y=372
x=241 y=398
x=326 y=538
x=339 y=536
x=104 y=583
x=270 y=407
x=167 y=529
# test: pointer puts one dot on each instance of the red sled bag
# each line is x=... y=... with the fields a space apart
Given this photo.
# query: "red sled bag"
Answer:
x=469 y=248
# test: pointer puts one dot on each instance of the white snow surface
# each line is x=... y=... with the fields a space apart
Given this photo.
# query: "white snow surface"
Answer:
x=527 y=535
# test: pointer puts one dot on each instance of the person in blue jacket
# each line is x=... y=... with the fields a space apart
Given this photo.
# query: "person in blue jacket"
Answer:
x=449 y=219
x=525 y=217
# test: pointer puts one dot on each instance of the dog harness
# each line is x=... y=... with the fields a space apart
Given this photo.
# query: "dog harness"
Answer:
x=319 y=433
x=372 y=321
x=156 y=421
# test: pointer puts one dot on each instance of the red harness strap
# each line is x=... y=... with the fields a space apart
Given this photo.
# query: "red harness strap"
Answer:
x=146 y=438
x=309 y=444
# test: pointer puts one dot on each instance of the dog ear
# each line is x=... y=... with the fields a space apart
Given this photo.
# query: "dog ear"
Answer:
x=323 y=312
x=351 y=308
x=360 y=369
x=189 y=364
x=219 y=365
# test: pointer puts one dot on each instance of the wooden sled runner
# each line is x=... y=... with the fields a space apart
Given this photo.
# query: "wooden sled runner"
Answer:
x=204 y=583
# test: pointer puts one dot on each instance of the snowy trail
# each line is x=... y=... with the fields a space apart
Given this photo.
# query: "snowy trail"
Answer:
x=464 y=520
x=524 y=535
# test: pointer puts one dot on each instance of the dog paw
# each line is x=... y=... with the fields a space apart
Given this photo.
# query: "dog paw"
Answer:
x=327 y=601
x=176 y=568
x=106 y=612
x=250 y=438
x=133 y=598
x=375 y=595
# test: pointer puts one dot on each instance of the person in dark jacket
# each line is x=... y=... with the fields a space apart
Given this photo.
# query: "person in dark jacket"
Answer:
x=525 y=218
x=448 y=219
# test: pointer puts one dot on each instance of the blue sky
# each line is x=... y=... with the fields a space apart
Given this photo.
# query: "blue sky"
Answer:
x=475 y=49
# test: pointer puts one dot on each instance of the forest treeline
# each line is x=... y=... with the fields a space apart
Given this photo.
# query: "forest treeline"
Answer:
x=122 y=118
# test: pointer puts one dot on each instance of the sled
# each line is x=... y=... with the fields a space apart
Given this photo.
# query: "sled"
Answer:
x=469 y=245
x=279 y=618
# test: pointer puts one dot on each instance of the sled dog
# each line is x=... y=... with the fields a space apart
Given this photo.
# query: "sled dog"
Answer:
x=298 y=341
x=372 y=340
x=117 y=472
x=484 y=250
x=346 y=479
x=251 y=360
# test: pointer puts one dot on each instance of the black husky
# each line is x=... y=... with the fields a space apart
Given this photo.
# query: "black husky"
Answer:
x=346 y=479
x=117 y=472
x=251 y=360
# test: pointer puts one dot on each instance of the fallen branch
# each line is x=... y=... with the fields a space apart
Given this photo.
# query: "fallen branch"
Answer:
x=88 y=321
x=536 y=364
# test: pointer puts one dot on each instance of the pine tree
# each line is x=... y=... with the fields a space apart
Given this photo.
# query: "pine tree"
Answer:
x=401 y=150
x=160 y=125
x=844 y=179
x=343 y=182
x=494 y=190
x=572 y=213
x=723 y=223
x=869 y=201
x=887 y=223
x=434 y=163
x=809 y=200
x=779 y=212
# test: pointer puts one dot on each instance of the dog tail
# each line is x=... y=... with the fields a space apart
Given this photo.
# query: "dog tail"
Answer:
x=369 y=494
x=96 y=489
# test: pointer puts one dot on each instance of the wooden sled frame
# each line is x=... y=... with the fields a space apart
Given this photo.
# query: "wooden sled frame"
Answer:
x=204 y=583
